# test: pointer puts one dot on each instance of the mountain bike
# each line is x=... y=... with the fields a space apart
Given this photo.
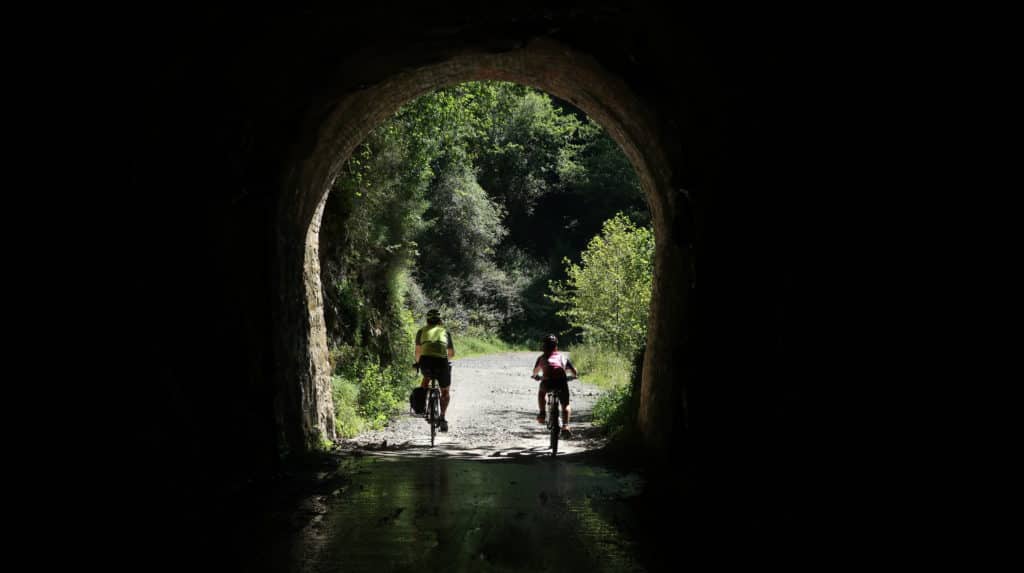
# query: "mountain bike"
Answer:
x=553 y=407
x=432 y=413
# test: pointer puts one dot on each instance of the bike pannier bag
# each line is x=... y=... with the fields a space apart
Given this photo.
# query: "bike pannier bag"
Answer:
x=418 y=400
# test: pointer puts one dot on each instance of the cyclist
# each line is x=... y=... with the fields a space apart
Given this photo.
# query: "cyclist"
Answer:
x=551 y=366
x=433 y=350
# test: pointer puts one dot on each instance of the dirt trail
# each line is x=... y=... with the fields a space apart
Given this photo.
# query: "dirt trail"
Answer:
x=492 y=414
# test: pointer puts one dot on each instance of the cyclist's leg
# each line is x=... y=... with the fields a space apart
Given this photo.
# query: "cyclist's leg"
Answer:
x=564 y=398
x=445 y=398
x=445 y=382
x=443 y=405
x=541 y=406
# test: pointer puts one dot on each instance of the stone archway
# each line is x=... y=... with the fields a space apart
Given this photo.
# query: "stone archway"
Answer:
x=351 y=111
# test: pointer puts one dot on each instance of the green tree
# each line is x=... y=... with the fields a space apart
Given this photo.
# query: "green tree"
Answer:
x=607 y=295
x=507 y=144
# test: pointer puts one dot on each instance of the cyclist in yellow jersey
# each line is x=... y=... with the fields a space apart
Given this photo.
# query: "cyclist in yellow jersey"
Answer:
x=434 y=349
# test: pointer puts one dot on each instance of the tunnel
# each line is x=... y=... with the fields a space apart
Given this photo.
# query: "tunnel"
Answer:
x=239 y=121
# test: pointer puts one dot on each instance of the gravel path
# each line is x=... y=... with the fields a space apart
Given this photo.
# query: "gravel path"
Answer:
x=492 y=413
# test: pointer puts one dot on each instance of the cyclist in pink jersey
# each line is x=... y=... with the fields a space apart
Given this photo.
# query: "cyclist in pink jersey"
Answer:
x=551 y=367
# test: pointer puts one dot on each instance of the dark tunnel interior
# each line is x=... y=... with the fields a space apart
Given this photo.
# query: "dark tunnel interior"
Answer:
x=229 y=115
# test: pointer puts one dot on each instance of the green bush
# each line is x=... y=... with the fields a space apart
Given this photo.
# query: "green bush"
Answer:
x=608 y=295
x=366 y=395
x=347 y=422
x=381 y=392
x=613 y=409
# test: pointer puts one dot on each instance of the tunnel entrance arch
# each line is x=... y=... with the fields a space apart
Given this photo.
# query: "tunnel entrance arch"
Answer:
x=351 y=109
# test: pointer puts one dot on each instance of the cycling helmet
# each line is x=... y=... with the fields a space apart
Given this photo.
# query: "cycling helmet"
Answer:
x=433 y=315
x=549 y=342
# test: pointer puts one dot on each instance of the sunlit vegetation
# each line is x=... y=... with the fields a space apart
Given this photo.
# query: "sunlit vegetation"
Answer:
x=474 y=199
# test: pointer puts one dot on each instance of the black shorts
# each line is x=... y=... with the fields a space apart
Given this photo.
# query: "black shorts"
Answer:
x=559 y=385
x=437 y=367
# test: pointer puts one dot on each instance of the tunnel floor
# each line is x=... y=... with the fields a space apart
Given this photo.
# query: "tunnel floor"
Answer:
x=590 y=511
x=401 y=514
x=488 y=497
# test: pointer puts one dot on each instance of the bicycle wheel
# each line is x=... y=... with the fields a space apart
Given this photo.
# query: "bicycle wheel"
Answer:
x=554 y=425
x=435 y=415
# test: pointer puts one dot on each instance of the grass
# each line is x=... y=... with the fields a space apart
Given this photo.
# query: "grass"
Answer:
x=615 y=409
x=602 y=367
x=476 y=344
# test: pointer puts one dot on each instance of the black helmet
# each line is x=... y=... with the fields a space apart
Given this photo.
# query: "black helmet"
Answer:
x=549 y=342
x=433 y=315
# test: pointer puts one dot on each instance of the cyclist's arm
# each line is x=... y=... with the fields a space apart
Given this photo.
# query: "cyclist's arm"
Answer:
x=538 y=368
x=451 y=347
x=569 y=366
x=419 y=347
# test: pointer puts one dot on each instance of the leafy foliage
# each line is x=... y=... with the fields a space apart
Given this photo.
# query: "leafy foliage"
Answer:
x=467 y=199
x=608 y=294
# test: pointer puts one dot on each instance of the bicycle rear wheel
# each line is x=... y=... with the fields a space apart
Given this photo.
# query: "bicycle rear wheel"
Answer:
x=435 y=415
x=554 y=417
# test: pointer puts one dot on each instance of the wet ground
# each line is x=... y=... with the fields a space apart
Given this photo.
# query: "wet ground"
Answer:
x=401 y=514
x=487 y=497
